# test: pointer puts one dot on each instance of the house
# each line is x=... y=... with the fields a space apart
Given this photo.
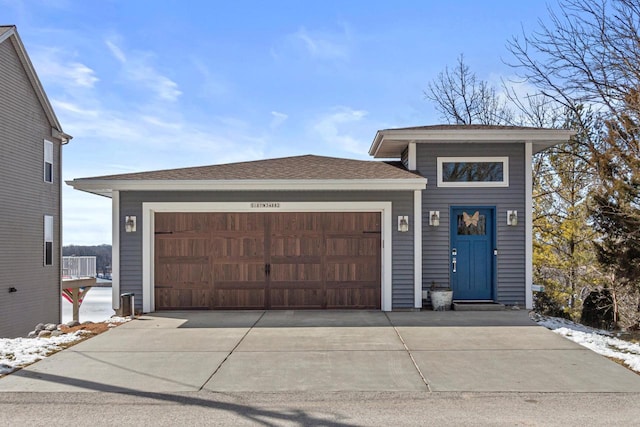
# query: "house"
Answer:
x=31 y=140
x=452 y=207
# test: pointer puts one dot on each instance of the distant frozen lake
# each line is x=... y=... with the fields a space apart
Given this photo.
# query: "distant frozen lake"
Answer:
x=96 y=306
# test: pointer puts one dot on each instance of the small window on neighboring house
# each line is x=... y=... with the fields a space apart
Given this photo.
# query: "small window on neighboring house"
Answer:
x=48 y=240
x=473 y=171
x=48 y=161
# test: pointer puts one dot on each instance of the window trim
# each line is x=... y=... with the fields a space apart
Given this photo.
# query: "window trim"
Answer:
x=48 y=238
x=48 y=160
x=501 y=159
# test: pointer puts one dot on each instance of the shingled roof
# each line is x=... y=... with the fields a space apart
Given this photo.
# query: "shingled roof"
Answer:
x=298 y=171
x=298 y=167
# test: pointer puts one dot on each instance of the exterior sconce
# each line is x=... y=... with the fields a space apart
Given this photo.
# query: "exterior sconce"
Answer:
x=512 y=218
x=130 y=224
x=403 y=224
x=434 y=218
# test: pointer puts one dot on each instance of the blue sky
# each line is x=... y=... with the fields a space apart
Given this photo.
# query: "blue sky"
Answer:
x=146 y=85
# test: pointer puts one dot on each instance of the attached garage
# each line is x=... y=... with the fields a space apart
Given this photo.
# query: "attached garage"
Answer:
x=267 y=260
x=305 y=232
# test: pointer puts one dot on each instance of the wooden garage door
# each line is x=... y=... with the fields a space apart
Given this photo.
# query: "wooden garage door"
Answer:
x=267 y=260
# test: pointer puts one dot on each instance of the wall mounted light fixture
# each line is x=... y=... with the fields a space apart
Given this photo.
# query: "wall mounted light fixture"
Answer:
x=130 y=223
x=434 y=218
x=403 y=224
x=512 y=218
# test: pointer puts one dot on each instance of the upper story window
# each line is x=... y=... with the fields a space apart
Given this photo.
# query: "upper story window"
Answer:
x=48 y=240
x=48 y=161
x=473 y=171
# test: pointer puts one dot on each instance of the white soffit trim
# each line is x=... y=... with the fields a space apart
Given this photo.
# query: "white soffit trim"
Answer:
x=105 y=187
x=150 y=208
x=390 y=143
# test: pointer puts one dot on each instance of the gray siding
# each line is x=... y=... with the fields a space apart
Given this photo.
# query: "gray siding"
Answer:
x=131 y=243
x=510 y=240
x=24 y=200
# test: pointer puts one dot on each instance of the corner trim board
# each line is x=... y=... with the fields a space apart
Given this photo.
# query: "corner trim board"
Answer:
x=115 y=250
x=528 y=221
x=417 y=248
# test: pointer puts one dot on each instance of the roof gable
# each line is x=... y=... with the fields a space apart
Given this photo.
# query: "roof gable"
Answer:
x=9 y=33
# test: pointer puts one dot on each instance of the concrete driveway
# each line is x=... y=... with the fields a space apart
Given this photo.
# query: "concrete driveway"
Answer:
x=289 y=351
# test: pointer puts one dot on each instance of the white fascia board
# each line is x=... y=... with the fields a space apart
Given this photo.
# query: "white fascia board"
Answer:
x=7 y=34
x=483 y=135
x=104 y=187
x=375 y=145
x=34 y=79
x=541 y=138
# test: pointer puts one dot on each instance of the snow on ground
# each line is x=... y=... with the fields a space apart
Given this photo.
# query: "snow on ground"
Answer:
x=19 y=352
x=598 y=340
x=96 y=306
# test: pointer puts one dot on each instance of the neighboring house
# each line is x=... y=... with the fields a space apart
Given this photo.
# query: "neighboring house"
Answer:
x=319 y=232
x=31 y=142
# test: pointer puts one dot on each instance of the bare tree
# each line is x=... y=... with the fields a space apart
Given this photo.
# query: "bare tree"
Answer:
x=589 y=55
x=463 y=99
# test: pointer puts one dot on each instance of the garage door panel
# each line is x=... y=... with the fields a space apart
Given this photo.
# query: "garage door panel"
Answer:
x=297 y=297
x=350 y=272
x=238 y=299
x=181 y=274
x=296 y=246
x=182 y=298
x=356 y=297
x=295 y=272
x=236 y=247
x=239 y=273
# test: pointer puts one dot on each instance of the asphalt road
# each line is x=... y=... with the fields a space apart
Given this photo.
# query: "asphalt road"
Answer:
x=320 y=409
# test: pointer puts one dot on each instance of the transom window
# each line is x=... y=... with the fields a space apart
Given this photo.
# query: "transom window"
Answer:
x=473 y=171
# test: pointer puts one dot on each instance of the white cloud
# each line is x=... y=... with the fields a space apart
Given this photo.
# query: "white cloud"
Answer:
x=338 y=126
x=321 y=45
x=116 y=51
x=212 y=84
x=278 y=119
x=137 y=68
x=56 y=66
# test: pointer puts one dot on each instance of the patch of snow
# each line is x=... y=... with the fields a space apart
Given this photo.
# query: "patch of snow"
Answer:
x=597 y=340
x=18 y=352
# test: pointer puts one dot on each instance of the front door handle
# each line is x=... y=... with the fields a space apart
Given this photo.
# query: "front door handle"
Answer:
x=454 y=262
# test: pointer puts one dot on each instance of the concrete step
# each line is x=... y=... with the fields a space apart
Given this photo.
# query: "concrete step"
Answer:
x=477 y=306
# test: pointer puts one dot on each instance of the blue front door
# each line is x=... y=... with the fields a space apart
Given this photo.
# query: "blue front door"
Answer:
x=472 y=248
